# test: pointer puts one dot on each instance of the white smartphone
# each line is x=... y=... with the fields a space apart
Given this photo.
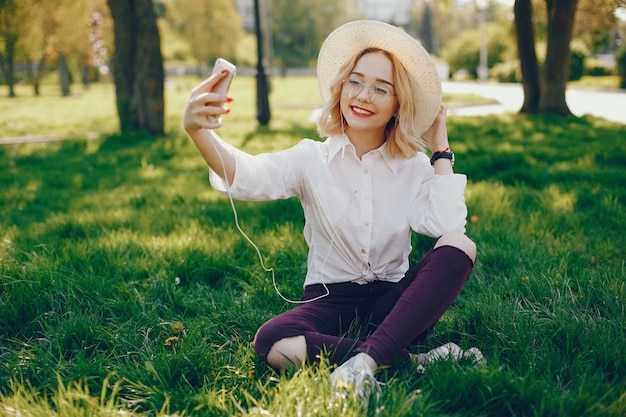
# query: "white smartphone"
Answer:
x=220 y=65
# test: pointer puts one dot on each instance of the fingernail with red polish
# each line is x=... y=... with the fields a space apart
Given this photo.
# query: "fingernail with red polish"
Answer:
x=224 y=71
x=227 y=111
x=229 y=99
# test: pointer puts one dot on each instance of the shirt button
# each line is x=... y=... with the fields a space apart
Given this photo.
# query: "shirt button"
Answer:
x=366 y=224
x=363 y=251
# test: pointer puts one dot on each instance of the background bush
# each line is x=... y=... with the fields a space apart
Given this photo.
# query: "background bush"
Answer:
x=620 y=59
x=578 y=54
x=597 y=68
x=506 y=72
x=463 y=52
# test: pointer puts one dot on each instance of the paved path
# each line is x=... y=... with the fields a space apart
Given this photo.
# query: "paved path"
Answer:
x=604 y=103
x=44 y=138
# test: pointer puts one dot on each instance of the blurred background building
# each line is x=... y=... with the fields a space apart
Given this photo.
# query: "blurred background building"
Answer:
x=396 y=12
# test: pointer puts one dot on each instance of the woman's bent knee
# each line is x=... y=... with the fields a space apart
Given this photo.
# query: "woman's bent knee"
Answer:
x=288 y=352
x=460 y=241
x=280 y=342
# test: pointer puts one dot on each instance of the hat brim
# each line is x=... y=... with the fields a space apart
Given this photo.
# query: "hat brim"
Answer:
x=353 y=37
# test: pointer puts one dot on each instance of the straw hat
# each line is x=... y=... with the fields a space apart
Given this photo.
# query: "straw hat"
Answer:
x=353 y=37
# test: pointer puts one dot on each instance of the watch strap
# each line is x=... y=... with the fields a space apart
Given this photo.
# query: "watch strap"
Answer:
x=439 y=155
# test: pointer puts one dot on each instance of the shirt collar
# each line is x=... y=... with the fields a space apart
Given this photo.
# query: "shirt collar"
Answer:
x=336 y=144
x=391 y=162
x=339 y=143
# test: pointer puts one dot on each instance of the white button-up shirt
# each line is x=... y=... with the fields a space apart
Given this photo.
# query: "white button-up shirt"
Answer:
x=359 y=213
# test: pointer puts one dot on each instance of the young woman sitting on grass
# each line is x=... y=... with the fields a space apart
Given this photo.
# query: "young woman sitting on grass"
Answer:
x=363 y=190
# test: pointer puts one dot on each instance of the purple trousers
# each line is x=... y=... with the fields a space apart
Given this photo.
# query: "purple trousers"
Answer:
x=379 y=318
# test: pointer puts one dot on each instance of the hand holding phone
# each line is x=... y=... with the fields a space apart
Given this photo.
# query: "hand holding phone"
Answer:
x=223 y=65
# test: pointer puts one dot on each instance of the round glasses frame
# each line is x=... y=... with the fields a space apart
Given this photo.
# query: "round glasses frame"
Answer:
x=376 y=93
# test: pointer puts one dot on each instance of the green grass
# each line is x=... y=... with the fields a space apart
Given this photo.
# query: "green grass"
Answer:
x=606 y=81
x=85 y=112
x=107 y=244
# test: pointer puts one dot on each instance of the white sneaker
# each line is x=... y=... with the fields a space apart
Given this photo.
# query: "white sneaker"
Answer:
x=449 y=351
x=478 y=358
x=355 y=376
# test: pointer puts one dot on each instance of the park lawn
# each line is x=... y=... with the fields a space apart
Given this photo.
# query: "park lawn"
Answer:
x=125 y=285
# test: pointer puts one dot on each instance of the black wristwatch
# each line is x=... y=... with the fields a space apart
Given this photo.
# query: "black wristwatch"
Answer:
x=439 y=155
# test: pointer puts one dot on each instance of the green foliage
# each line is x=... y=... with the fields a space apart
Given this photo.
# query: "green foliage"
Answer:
x=620 y=59
x=506 y=72
x=596 y=68
x=581 y=64
x=597 y=23
x=125 y=288
x=578 y=55
x=211 y=27
x=175 y=47
x=299 y=28
x=463 y=52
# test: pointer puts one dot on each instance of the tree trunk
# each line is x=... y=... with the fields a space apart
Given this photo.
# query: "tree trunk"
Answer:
x=138 y=66
x=65 y=78
x=34 y=78
x=6 y=63
x=37 y=69
x=527 y=55
x=263 y=114
x=426 y=30
x=84 y=71
x=561 y=14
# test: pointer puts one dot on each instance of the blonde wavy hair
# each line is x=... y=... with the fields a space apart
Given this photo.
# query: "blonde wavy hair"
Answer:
x=401 y=132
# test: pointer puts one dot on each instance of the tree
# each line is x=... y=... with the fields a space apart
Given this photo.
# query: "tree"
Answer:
x=529 y=65
x=13 y=17
x=71 y=40
x=561 y=15
x=426 y=30
x=448 y=20
x=596 y=22
x=35 y=41
x=49 y=32
x=65 y=34
x=212 y=27
x=299 y=27
x=138 y=66
x=553 y=78
x=263 y=113
x=544 y=86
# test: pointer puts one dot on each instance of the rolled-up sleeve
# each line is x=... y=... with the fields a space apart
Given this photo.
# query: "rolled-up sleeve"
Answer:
x=440 y=206
x=264 y=177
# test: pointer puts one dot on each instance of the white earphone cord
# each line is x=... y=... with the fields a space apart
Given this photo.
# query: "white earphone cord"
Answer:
x=256 y=248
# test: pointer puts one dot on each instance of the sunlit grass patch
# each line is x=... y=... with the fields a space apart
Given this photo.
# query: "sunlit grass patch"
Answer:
x=308 y=392
x=73 y=399
x=92 y=111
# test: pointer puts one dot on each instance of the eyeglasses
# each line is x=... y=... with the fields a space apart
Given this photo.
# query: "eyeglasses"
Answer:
x=377 y=94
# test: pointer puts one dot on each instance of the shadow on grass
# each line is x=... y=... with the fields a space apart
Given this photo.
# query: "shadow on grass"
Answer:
x=538 y=150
